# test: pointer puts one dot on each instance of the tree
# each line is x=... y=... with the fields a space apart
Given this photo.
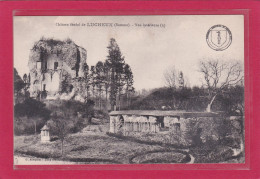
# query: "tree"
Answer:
x=129 y=79
x=219 y=76
x=174 y=79
x=106 y=79
x=99 y=81
x=171 y=77
x=61 y=127
x=86 y=78
x=193 y=132
x=93 y=80
x=116 y=62
x=19 y=84
x=68 y=118
x=223 y=128
x=34 y=110
x=181 y=80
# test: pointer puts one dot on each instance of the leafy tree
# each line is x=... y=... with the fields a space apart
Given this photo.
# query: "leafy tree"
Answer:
x=61 y=127
x=19 y=84
x=87 y=78
x=193 y=132
x=106 y=79
x=34 y=110
x=67 y=117
x=99 y=80
x=129 y=79
x=181 y=80
x=113 y=77
x=93 y=80
x=116 y=62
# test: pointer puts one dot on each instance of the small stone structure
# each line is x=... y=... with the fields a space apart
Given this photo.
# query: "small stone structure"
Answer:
x=45 y=134
x=153 y=121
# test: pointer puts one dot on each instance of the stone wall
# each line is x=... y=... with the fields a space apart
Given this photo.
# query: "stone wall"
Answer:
x=56 y=68
x=180 y=125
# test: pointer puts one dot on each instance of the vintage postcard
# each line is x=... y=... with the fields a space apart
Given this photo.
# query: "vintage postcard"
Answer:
x=144 y=89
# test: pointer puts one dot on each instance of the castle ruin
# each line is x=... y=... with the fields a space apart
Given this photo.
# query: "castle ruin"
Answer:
x=57 y=70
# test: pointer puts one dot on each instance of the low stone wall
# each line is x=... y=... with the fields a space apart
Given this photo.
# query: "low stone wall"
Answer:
x=177 y=125
x=135 y=123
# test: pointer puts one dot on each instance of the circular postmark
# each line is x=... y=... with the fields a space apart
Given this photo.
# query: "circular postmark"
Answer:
x=219 y=37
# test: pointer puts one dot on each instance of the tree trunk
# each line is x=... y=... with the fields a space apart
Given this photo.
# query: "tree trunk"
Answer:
x=62 y=148
x=209 y=105
x=35 y=127
x=100 y=97
x=88 y=95
x=127 y=100
x=106 y=98
x=119 y=103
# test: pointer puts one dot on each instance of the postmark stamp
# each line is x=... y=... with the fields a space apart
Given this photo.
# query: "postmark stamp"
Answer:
x=219 y=37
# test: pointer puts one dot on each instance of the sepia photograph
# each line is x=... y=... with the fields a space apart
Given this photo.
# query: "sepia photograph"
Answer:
x=144 y=89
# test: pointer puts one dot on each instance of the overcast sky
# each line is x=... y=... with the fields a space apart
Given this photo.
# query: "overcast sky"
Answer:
x=148 y=50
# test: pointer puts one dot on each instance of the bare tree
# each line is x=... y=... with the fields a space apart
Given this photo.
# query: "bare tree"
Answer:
x=174 y=78
x=171 y=77
x=219 y=76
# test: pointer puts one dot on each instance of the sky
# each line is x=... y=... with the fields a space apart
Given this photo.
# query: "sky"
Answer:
x=179 y=42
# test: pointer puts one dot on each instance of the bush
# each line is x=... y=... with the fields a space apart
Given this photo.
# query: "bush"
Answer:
x=26 y=126
x=27 y=114
x=71 y=112
x=99 y=114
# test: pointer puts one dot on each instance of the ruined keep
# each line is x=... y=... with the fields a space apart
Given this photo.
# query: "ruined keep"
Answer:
x=57 y=70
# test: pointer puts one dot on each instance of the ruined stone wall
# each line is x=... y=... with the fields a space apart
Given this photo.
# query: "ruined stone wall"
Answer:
x=180 y=125
x=62 y=77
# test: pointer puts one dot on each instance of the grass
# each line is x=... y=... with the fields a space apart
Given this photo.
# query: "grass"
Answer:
x=98 y=147
x=82 y=147
x=161 y=156
x=149 y=141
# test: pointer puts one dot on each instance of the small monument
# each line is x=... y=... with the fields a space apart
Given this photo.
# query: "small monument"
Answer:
x=45 y=134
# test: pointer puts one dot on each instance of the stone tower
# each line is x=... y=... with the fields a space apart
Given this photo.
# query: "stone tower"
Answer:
x=57 y=69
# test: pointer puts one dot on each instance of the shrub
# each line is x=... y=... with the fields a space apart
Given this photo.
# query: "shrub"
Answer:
x=28 y=115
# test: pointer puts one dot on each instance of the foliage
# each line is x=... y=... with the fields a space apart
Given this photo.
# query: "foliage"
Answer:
x=67 y=117
x=61 y=126
x=74 y=111
x=114 y=78
x=30 y=116
x=18 y=82
x=190 y=99
x=116 y=63
x=31 y=108
x=21 y=87
x=193 y=132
